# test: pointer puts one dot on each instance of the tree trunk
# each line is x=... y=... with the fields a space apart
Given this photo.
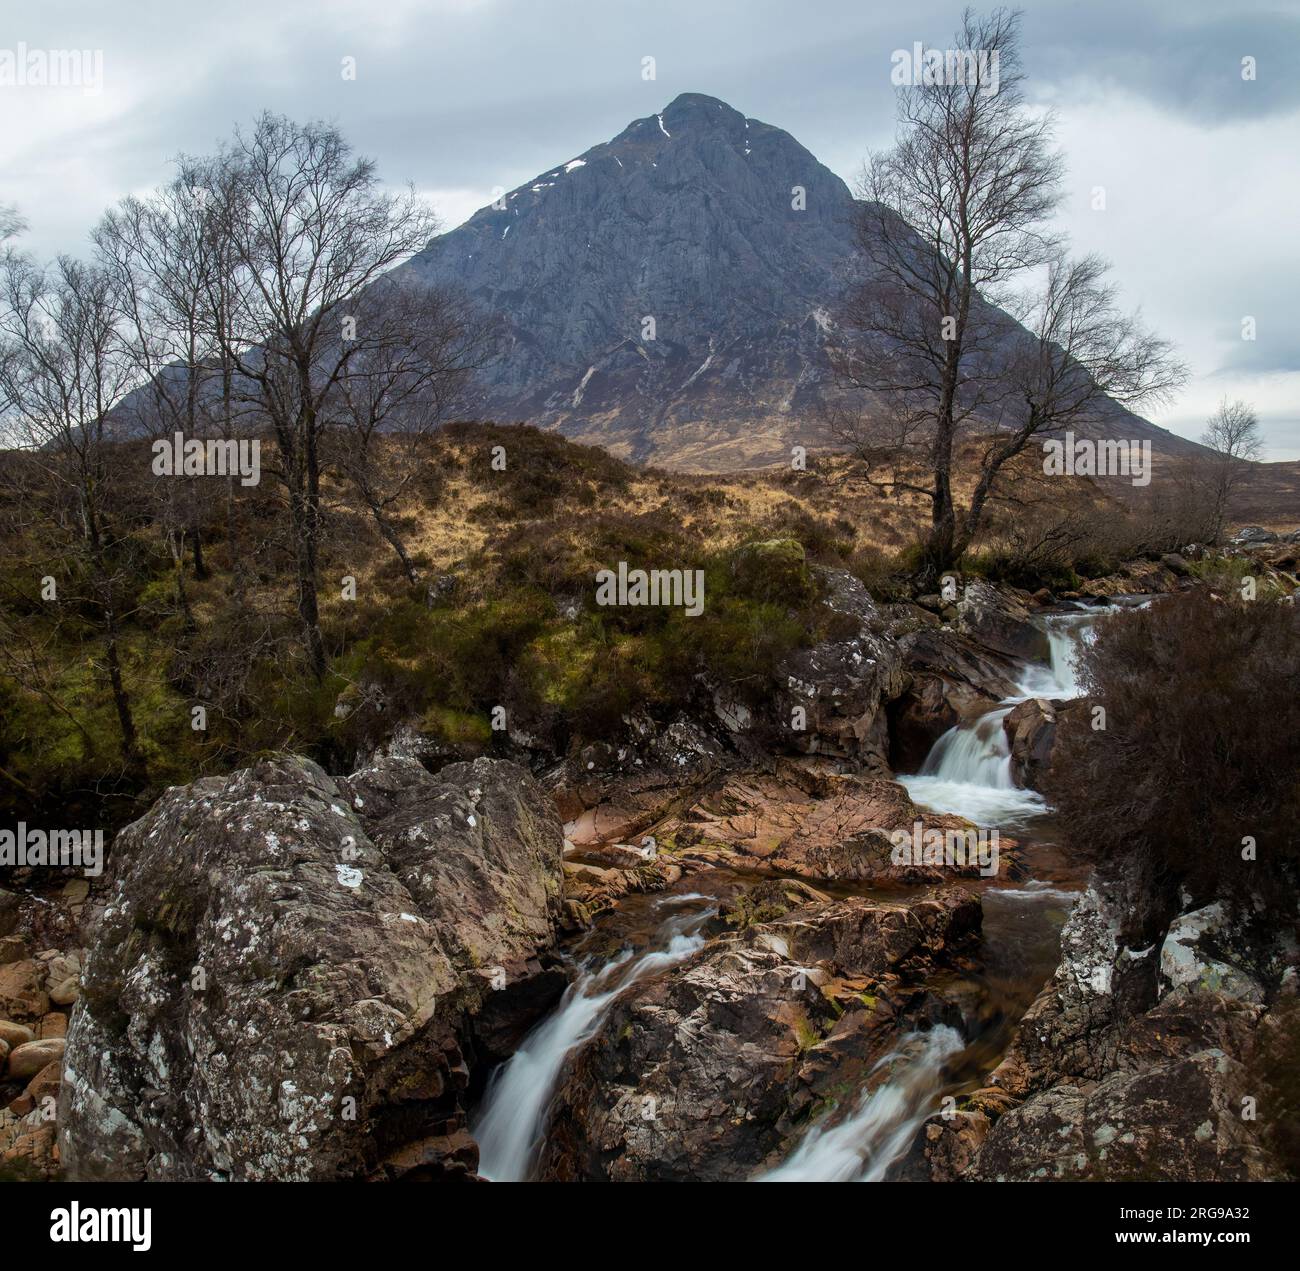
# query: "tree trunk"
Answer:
x=130 y=755
x=303 y=471
x=196 y=539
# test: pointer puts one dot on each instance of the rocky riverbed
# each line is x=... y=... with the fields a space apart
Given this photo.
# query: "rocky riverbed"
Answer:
x=696 y=952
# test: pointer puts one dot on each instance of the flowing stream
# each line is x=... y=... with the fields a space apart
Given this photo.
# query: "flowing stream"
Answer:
x=512 y=1118
x=968 y=771
x=863 y=1146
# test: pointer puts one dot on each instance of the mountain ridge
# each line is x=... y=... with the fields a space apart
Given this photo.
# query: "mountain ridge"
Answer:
x=726 y=233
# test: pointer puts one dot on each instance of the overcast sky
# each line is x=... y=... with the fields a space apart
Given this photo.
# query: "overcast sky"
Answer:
x=1199 y=165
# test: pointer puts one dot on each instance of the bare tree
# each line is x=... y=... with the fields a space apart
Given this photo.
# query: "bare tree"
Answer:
x=416 y=347
x=1232 y=434
x=953 y=223
x=157 y=253
x=62 y=370
x=1075 y=350
x=309 y=230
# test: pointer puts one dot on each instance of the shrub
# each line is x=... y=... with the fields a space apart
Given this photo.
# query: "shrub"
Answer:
x=881 y=573
x=772 y=572
x=1200 y=749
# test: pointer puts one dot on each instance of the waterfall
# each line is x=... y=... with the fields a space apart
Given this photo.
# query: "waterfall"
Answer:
x=512 y=1118
x=968 y=770
x=863 y=1146
x=1066 y=634
x=979 y=755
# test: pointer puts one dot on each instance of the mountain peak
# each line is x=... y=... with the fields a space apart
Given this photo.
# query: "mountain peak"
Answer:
x=668 y=294
x=689 y=115
x=694 y=110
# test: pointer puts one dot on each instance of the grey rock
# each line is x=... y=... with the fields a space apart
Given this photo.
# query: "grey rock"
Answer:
x=844 y=686
x=280 y=949
x=994 y=619
x=1251 y=534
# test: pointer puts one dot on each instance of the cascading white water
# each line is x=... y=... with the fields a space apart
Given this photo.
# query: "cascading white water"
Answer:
x=1066 y=634
x=968 y=770
x=512 y=1118
x=862 y=1146
x=979 y=755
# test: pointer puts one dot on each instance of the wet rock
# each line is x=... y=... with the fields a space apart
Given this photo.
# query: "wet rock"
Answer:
x=946 y=1147
x=1031 y=731
x=597 y=876
x=981 y=674
x=949 y=679
x=814 y=823
x=712 y=1070
x=281 y=981
x=994 y=619
x=508 y=1014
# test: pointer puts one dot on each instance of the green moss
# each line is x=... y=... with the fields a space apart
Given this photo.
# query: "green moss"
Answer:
x=772 y=572
x=806 y=1034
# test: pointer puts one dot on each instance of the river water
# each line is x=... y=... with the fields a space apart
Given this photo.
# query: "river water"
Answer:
x=968 y=771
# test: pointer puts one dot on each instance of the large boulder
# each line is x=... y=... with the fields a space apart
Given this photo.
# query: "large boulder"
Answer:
x=280 y=984
x=1031 y=733
x=713 y=1070
x=1170 y=1110
x=1252 y=534
x=840 y=688
x=998 y=621
x=949 y=679
x=774 y=570
x=1136 y=1062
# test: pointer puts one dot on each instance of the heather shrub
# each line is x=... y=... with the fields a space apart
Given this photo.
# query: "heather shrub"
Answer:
x=1200 y=751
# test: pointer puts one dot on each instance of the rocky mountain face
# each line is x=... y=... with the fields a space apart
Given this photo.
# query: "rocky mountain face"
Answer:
x=669 y=294
x=722 y=231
